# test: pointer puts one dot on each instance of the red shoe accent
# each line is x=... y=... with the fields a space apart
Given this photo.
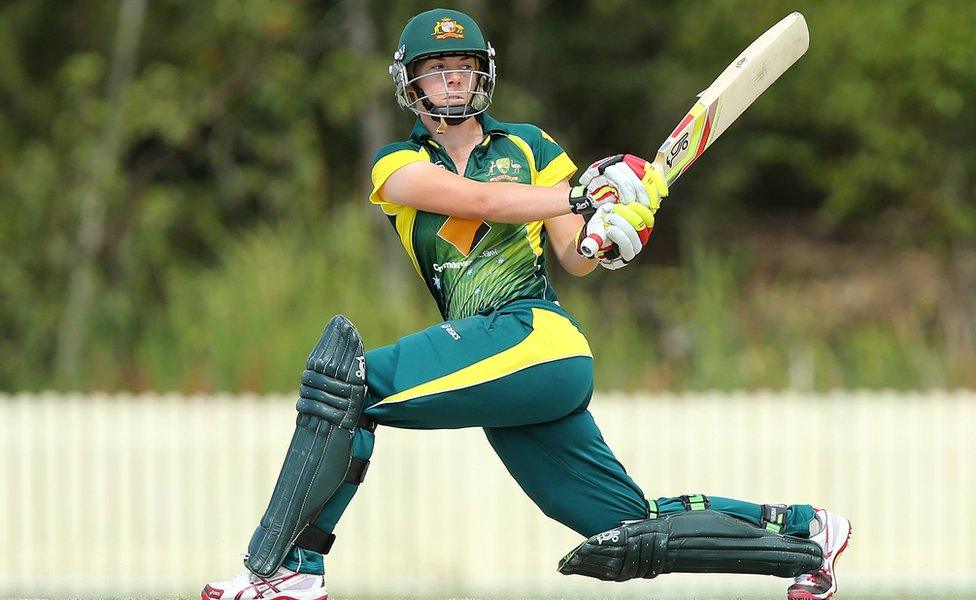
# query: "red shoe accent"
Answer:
x=210 y=593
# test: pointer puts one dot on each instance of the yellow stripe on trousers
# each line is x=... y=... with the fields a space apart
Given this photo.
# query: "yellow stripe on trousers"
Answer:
x=553 y=337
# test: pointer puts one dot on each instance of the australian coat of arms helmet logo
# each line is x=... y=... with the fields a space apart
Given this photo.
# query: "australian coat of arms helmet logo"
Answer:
x=448 y=28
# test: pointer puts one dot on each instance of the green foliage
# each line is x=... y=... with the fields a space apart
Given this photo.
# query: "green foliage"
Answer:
x=249 y=322
x=195 y=229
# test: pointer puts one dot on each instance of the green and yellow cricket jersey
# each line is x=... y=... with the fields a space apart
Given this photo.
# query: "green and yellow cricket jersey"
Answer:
x=469 y=265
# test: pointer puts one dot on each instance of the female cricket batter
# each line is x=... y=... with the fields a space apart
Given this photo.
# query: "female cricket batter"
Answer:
x=475 y=201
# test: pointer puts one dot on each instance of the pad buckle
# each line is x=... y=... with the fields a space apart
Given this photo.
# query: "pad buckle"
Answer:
x=695 y=502
x=366 y=423
x=774 y=517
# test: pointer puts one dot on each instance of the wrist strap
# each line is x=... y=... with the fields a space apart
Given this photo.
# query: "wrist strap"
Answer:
x=578 y=202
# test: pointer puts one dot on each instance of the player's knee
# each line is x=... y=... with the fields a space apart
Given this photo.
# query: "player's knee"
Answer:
x=585 y=518
x=566 y=510
x=334 y=381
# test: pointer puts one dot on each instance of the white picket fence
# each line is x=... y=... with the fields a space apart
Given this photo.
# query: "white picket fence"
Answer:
x=154 y=495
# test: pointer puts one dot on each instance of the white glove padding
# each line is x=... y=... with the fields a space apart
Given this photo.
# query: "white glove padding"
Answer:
x=619 y=231
x=633 y=178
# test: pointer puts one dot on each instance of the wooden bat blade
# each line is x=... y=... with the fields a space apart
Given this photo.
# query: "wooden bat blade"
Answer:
x=738 y=86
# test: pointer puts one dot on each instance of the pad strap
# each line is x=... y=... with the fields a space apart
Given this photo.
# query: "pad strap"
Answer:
x=313 y=538
x=695 y=502
x=318 y=540
x=774 y=517
x=356 y=473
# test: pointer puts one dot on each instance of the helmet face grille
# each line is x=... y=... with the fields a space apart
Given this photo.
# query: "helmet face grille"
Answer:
x=471 y=98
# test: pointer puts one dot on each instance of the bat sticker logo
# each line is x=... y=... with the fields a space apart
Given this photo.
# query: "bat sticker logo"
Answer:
x=678 y=149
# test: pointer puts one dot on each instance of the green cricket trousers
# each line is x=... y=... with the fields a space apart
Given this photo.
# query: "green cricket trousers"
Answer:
x=524 y=373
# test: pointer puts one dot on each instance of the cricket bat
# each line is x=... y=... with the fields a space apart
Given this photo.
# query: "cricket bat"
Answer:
x=754 y=70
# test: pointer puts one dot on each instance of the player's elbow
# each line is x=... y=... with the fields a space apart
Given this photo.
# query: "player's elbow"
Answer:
x=578 y=266
x=583 y=272
x=484 y=203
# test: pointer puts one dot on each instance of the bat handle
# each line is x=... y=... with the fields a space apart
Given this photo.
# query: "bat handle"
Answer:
x=590 y=246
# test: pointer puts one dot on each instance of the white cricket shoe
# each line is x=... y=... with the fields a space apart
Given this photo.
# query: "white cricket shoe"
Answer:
x=834 y=534
x=285 y=584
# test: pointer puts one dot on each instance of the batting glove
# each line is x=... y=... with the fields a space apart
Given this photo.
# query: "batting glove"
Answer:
x=615 y=234
x=631 y=177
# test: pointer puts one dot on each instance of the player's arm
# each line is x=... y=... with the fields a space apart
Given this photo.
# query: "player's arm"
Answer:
x=562 y=231
x=430 y=188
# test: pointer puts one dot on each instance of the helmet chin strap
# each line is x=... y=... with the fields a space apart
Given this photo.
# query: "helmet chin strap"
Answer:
x=449 y=115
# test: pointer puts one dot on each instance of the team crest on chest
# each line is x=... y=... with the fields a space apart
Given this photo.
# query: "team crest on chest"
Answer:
x=448 y=28
x=504 y=169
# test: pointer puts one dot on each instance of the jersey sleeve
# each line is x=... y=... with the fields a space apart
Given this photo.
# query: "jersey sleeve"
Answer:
x=385 y=163
x=551 y=161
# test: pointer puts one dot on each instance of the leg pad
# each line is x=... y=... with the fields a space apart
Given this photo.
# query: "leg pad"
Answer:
x=701 y=541
x=319 y=458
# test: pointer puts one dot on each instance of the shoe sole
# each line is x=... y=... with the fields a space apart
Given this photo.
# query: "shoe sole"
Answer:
x=836 y=556
x=832 y=561
x=267 y=595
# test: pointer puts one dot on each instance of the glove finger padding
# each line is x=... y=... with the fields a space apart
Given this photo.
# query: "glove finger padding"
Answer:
x=645 y=214
x=657 y=186
x=647 y=221
x=612 y=264
x=630 y=228
x=651 y=179
x=622 y=233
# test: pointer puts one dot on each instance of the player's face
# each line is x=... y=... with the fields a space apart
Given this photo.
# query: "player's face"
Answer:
x=447 y=80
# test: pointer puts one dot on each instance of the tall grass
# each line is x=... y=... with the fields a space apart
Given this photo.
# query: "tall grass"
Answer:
x=712 y=324
x=248 y=321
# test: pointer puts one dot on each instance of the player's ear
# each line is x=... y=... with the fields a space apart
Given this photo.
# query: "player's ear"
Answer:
x=410 y=90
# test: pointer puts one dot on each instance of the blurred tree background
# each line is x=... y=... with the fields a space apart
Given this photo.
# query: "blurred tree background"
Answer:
x=183 y=189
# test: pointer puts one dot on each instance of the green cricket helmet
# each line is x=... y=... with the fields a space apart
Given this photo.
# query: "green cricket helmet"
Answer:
x=443 y=32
